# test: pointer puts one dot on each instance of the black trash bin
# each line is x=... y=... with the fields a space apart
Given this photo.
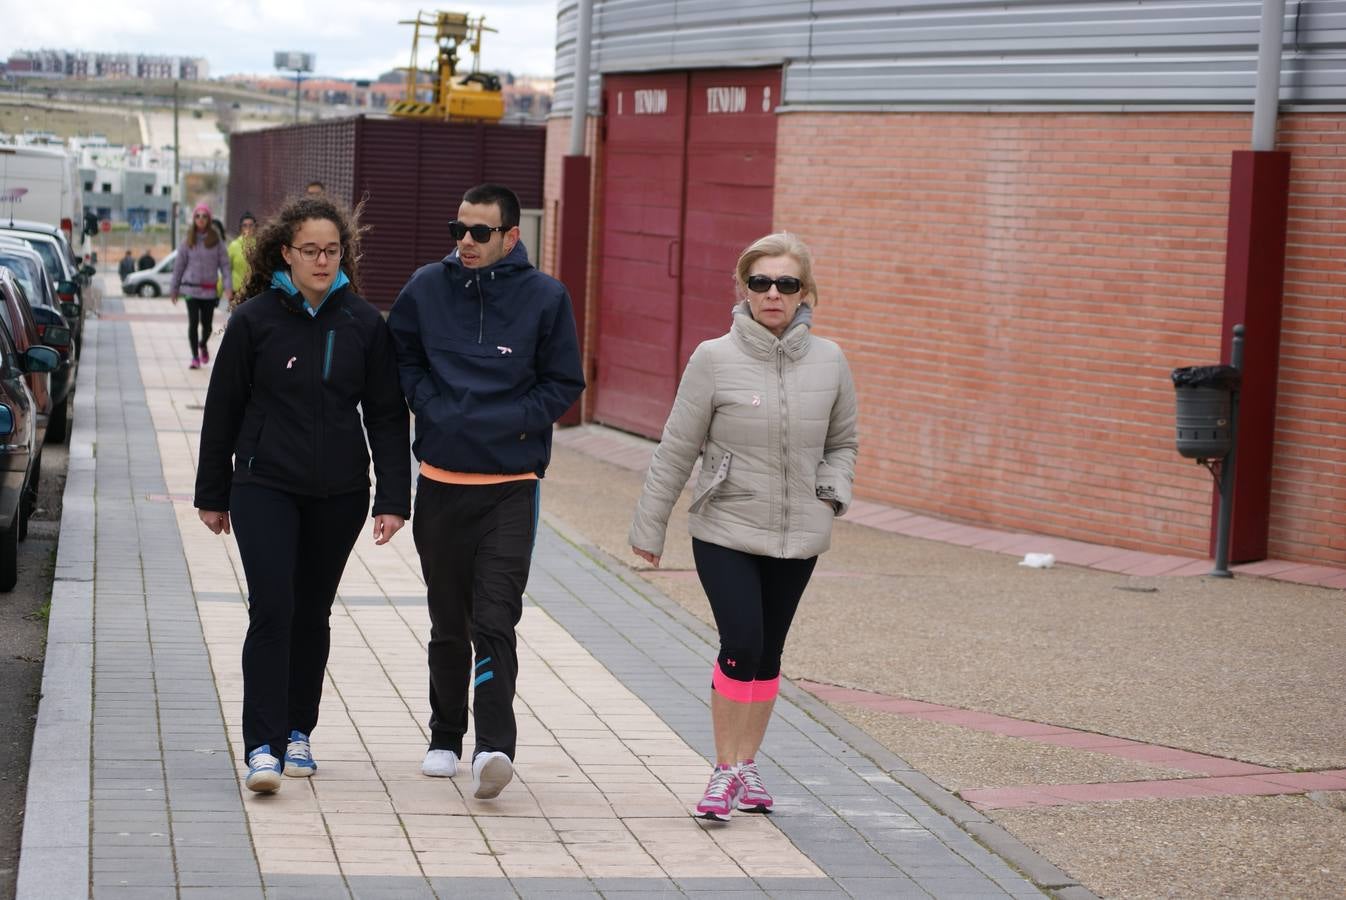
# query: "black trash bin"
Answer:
x=1205 y=410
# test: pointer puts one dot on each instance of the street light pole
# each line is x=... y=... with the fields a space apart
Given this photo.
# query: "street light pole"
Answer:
x=177 y=175
x=298 y=63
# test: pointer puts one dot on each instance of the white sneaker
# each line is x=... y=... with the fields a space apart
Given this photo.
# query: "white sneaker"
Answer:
x=440 y=764
x=491 y=771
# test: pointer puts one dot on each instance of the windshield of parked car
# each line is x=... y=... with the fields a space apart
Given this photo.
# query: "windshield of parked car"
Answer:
x=23 y=273
x=51 y=261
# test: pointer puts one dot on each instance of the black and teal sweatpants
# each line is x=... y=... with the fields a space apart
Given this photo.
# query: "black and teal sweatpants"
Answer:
x=475 y=544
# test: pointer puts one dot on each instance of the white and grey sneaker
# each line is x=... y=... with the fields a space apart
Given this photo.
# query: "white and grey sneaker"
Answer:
x=440 y=764
x=299 y=756
x=491 y=771
x=263 y=771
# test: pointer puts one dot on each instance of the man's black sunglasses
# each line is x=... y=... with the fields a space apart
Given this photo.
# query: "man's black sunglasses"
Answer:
x=786 y=284
x=480 y=233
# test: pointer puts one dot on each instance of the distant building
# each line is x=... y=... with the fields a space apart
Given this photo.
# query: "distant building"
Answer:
x=85 y=64
x=133 y=185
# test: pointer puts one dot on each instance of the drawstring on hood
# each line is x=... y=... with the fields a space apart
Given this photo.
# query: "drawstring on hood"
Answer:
x=514 y=261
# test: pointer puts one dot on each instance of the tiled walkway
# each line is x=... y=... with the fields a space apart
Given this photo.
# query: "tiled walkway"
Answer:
x=134 y=790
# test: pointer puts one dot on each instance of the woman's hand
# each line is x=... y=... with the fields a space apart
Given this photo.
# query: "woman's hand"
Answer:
x=173 y=298
x=647 y=556
x=228 y=296
x=216 y=521
x=385 y=526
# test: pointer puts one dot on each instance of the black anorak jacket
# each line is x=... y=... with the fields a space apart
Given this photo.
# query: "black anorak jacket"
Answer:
x=286 y=398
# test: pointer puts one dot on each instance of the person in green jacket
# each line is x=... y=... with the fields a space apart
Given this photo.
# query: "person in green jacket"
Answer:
x=239 y=248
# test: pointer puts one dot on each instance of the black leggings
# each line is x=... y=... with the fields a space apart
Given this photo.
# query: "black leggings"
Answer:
x=200 y=311
x=754 y=599
x=294 y=549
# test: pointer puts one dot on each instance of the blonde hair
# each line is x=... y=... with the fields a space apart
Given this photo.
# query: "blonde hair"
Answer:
x=782 y=243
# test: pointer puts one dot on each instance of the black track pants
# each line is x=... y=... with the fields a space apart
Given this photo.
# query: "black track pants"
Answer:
x=754 y=599
x=475 y=544
x=294 y=550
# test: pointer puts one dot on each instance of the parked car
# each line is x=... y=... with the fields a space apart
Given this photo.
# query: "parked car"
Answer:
x=16 y=317
x=18 y=446
x=52 y=329
x=75 y=284
x=151 y=282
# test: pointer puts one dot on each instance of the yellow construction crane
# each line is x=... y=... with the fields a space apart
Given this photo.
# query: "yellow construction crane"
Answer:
x=475 y=95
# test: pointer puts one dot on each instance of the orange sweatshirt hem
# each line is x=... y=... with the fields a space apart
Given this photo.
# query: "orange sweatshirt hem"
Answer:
x=444 y=476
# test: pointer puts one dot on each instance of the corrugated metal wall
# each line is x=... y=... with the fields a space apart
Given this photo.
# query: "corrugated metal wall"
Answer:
x=270 y=165
x=410 y=175
x=873 y=53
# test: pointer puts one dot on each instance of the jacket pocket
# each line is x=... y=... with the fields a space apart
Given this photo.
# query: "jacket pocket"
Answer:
x=721 y=473
x=250 y=440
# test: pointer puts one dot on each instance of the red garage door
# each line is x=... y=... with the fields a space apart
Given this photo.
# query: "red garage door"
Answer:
x=689 y=169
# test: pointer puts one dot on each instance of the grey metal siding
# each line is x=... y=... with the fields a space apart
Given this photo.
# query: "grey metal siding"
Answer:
x=874 y=53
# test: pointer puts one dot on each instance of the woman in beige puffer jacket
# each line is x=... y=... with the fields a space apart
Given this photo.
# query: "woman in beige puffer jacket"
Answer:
x=773 y=407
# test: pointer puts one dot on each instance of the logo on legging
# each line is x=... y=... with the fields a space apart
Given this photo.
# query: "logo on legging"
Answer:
x=731 y=663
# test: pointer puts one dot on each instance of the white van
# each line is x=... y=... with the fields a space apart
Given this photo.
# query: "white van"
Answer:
x=41 y=184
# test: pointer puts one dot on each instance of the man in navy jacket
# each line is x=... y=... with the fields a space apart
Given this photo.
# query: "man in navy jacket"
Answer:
x=489 y=360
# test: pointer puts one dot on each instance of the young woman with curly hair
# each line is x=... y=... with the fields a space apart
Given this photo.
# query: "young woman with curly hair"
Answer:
x=284 y=463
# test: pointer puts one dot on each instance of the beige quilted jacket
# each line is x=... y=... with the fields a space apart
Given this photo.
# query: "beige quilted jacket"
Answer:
x=777 y=421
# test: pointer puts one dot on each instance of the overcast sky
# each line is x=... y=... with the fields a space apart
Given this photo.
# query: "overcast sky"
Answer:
x=351 y=38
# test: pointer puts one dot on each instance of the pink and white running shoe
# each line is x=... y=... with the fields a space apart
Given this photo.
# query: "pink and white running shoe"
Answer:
x=754 y=797
x=721 y=795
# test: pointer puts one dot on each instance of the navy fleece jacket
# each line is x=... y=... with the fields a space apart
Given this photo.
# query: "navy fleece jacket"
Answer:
x=488 y=360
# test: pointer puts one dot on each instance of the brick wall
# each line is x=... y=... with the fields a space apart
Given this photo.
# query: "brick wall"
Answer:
x=558 y=143
x=1012 y=291
x=1308 y=490
x=558 y=146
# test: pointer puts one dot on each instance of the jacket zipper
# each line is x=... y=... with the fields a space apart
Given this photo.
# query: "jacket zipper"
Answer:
x=481 y=310
x=785 y=448
x=320 y=377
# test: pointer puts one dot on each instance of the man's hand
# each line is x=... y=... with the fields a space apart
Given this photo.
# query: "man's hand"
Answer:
x=647 y=556
x=216 y=521
x=385 y=526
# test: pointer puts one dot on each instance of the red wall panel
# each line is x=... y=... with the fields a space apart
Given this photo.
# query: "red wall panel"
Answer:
x=688 y=177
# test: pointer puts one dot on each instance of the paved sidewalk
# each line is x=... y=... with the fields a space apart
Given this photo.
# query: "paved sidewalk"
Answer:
x=134 y=790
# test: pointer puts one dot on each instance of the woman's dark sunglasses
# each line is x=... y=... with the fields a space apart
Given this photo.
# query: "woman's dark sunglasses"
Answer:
x=786 y=284
x=480 y=233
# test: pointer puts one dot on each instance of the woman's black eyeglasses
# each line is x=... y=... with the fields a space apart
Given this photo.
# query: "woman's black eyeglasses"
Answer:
x=480 y=233
x=309 y=252
x=786 y=284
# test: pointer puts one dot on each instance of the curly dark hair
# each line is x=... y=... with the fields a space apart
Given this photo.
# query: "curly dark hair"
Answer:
x=265 y=259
